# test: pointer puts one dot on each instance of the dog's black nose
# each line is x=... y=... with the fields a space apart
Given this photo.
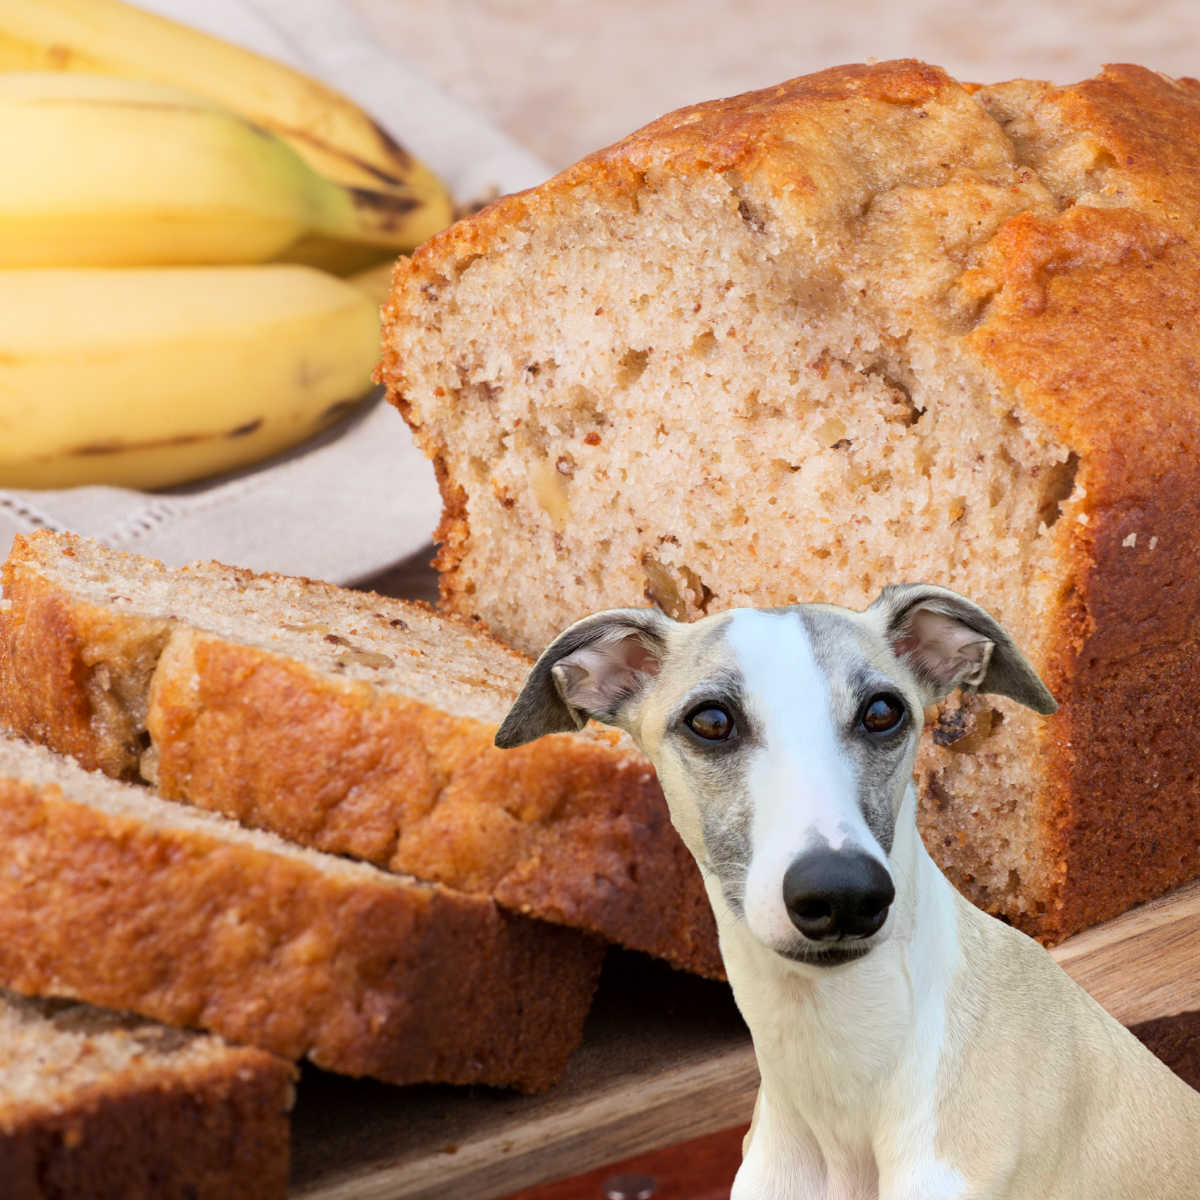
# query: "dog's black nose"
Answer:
x=837 y=894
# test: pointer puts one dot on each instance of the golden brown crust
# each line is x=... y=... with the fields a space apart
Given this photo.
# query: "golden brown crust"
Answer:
x=572 y=830
x=362 y=976
x=1087 y=320
x=217 y=1131
x=1146 y=124
x=1092 y=323
x=745 y=133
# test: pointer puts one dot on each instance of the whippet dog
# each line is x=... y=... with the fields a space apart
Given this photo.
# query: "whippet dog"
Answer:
x=910 y=1047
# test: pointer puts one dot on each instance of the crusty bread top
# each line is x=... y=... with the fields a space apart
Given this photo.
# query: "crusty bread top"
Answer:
x=58 y=1052
x=1119 y=156
x=445 y=661
x=1084 y=299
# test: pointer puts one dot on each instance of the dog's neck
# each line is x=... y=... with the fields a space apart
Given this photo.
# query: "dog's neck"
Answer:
x=828 y=1039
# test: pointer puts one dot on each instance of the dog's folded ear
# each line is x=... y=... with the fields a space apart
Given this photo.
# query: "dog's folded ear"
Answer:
x=948 y=642
x=595 y=669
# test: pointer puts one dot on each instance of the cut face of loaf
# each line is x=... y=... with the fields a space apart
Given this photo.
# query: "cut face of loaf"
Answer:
x=100 y=1104
x=346 y=722
x=870 y=326
x=113 y=896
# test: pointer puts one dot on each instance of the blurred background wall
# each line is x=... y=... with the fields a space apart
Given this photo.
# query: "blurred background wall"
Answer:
x=565 y=77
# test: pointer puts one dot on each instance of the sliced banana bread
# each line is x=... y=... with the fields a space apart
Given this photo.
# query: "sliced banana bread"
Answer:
x=348 y=722
x=868 y=326
x=98 y=1105
x=111 y=895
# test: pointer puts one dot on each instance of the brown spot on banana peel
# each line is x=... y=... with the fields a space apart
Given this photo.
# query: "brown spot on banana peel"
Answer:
x=386 y=178
x=60 y=57
x=393 y=147
x=339 y=408
x=116 y=446
x=386 y=209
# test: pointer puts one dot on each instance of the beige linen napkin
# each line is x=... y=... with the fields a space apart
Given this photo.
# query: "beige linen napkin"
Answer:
x=362 y=497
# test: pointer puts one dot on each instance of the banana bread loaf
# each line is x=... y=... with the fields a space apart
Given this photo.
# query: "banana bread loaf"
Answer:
x=97 y=1105
x=114 y=896
x=348 y=722
x=871 y=325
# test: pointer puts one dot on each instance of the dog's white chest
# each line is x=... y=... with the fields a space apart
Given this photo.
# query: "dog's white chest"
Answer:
x=848 y=1108
x=800 y=1152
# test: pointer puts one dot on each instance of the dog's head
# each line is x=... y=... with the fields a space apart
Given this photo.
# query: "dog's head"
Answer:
x=783 y=739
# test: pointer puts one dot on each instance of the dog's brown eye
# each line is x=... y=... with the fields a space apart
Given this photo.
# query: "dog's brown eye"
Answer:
x=711 y=722
x=882 y=713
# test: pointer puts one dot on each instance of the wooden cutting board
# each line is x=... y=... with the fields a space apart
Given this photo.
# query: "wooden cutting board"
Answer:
x=1143 y=964
x=665 y=1058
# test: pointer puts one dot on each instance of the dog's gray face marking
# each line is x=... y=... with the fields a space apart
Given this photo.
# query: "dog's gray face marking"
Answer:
x=710 y=805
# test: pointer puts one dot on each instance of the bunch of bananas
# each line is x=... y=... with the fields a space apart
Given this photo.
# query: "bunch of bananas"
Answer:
x=175 y=216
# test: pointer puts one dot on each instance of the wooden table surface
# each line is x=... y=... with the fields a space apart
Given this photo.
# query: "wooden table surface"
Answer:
x=665 y=1058
x=698 y=1169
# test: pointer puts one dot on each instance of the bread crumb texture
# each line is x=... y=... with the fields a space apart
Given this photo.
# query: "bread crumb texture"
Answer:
x=869 y=326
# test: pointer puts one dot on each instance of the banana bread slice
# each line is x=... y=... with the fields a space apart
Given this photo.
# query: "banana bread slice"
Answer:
x=98 y=1105
x=348 y=722
x=111 y=895
x=869 y=325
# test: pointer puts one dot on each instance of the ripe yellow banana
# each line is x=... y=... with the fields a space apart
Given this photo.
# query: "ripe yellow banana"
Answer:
x=330 y=132
x=115 y=172
x=147 y=377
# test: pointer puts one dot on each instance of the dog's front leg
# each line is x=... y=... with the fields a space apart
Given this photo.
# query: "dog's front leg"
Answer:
x=778 y=1163
x=773 y=1178
x=924 y=1179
